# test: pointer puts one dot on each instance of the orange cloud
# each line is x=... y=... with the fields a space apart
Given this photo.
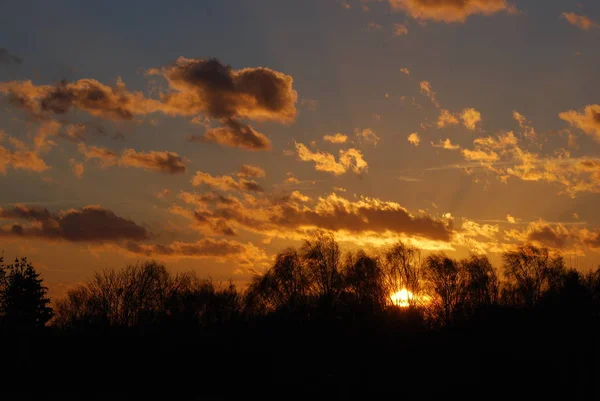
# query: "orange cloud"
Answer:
x=470 y=118
x=248 y=170
x=414 y=139
x=225 y=183
x=294 y=215
x=21 y=158
x=162 y=162
x=580 y=21
x=588 y=121
x=450 y=10
x=447 y=144
x=89 y=95
x=400 y=29
x=367 y=135
x=349 y=160
x=336 y=138
x=446 y=118
x=427 y=90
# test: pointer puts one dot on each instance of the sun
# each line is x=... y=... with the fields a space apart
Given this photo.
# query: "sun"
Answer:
x=402 y=298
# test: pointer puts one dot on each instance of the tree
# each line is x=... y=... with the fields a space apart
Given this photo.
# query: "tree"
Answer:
x=401 y=268
x=481 y=286
x=321 y=254
x=286 y=286
x=24 y=305
x=530 y=271
x=446 y=281
x=363 y=281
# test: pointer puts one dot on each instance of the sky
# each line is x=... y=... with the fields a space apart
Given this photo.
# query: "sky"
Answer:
x=212 y=134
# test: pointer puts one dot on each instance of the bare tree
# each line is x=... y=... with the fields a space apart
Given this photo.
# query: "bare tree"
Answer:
x=530 y=271
x=322 y=256
x=446 y=282
x=402 y=269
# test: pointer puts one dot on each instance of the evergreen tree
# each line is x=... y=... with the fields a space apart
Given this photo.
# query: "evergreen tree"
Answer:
x=23 y=302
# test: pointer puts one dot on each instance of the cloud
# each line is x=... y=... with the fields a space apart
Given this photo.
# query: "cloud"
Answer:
x=470 y=118
x=162 y=162
x=559 y=237
x=195 y=88
x=225 y=183
x=447 y=144
x=293 y=216
x=7 y=58
x=89 y=224
x=217 y=90
x=89 y=95
x=367 y=135
x=405 y=71
x=400 y=29
x=529 y=131
x=291 y=179
x=244 y=254
x=235 y=135
x=446 y=118
x=510 y=219
x=580 y=21
x=501 y=142
x=77 y=168
x=336 y=138
x=480 y=155
x=450 y=10
x=248 y=170
x=588 y=121
x=427 y=90
x=414 y=139
x=106 y=157
x=21 y=158
x=349 y=160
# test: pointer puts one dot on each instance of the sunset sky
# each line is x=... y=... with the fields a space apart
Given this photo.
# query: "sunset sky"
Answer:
x=211 y=134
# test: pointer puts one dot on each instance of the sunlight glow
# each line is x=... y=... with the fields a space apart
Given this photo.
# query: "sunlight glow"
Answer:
x=404 y=298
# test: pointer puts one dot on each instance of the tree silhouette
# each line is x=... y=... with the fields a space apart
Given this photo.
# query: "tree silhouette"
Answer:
x=402 y=269
x=446 y=281
x=24 y=305
x=363 y=282
x=530 y=271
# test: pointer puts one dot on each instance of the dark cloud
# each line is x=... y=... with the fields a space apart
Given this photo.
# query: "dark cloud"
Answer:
x=234 y=135
x=90 y=224
x=248 y=170
x=204 y=248
x=225 y=183
x=163 y=162
x=89 y=95
x=7 y=58
x=216 y=89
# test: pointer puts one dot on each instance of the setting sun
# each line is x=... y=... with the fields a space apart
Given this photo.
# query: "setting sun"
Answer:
x=402 y=298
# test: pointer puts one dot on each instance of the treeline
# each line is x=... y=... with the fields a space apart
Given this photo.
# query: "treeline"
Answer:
x=316 y=282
